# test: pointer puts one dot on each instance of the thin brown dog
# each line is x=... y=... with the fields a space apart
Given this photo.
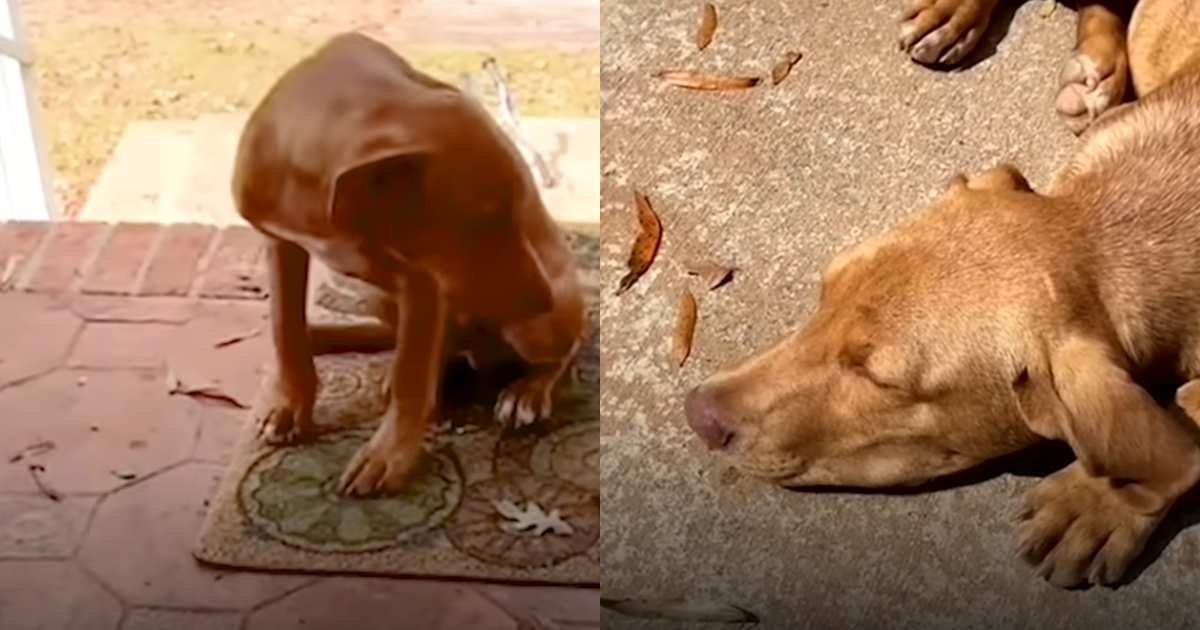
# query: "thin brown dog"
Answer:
x=1000 y=317
x=392 y=177
x=1092 y=80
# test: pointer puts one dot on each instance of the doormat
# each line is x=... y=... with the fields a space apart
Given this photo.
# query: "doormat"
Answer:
x=514 y=505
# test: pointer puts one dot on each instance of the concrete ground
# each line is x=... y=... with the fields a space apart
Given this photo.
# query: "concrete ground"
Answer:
x=774 y=181
x=179 y=170
x=95 y=317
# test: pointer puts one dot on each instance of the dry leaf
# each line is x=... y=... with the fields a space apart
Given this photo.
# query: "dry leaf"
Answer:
x=123 y=475
x=781 y=69
x=1047 y=8
x=176 y=387
x=35 y=473
x=645 y=245
x=532 y=517
x=229 y=341
x=702 y=81
x=679 y=609
x=33 y=450
x=685 y=327
x=713 y=274
x=708 y=26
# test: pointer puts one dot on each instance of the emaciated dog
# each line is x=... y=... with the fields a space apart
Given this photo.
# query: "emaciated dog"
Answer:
x=392 y=177
x=1000 y=317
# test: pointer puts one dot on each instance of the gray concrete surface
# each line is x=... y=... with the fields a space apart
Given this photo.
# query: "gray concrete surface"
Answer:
x=179 y=171
x=774 y=181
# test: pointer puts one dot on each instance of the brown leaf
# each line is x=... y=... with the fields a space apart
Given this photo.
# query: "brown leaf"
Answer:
x=685 y=327
x=713 y=274
x=701 y=81
x=176 y=387
x=229 y=341
x=708 y=26
x=645 y=245
x=781 y=69
x=35 y=473
x=33 y=450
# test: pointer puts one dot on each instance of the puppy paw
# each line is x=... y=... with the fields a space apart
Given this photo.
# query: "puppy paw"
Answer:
x=943 y=32
x=1076 y=530
x=1091 y=82
x=384 y=464
x=286 y=419
x=526 y=401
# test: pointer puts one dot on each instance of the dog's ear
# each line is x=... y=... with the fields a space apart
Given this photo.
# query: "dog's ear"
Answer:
x=1000 y=177
x=386 y=186
x=1082 y=395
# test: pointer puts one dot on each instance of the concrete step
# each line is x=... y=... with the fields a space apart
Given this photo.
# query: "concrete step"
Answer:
x=179 y=171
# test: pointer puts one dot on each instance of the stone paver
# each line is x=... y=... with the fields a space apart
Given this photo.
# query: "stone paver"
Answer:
x=84 y=362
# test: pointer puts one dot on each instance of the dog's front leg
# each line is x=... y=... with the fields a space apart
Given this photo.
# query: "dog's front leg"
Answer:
x=287 y=416
x=389 y=458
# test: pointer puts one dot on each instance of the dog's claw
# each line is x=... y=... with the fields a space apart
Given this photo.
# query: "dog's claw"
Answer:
x=383 y=464
x=285 y=424
x=525 y=402
x=1089 y=85
x=943 y=32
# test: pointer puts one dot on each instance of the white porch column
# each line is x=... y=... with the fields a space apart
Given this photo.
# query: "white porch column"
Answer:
x=25 y=191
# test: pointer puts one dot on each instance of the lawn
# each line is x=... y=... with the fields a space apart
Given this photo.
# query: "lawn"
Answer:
x=94 y=80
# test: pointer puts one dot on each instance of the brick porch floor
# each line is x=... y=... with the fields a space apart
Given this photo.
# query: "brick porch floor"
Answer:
x=91 y=318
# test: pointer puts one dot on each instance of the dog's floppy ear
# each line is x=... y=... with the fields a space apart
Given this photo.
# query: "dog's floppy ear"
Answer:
x=1000 y=177
x=1083 y=395
x=382 y=187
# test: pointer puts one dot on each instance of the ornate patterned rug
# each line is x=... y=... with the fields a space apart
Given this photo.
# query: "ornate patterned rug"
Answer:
x=518 y=505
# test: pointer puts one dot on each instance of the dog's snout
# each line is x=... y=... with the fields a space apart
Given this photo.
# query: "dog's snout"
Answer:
x=706 y=418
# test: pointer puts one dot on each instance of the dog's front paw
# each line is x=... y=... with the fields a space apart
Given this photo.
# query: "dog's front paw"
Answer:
x=527 y=400
x=385 y=462
x=286 y=418
x=1092 y=81
x=1076 y=530
x=943 y=32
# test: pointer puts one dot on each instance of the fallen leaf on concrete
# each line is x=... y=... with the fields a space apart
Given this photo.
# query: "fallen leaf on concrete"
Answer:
x=35 y=473
x=702 y=81
x=783 y=67
x=33 y=450
x=712 y=274
x=685 y=327
x=679 y=609
x=123 y=475
x=1047 y=8
x=238 y=338
x=176 y=387
x=645 y=245
x=708 y=26
x=532 y=517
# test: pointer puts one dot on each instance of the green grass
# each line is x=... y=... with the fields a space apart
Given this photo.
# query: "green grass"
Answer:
x=95 y=80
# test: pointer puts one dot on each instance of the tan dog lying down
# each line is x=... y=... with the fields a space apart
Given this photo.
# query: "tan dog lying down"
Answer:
x=392 y=177
x=1000 y=317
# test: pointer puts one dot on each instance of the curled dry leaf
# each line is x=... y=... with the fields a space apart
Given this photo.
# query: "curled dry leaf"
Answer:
x=679 y=609
x=33 y=450
x=702 y=81
x=176 y=387
x=712 y=274
x=685 y=327
x=238 y=338
x=708 y=26
x=645 y=245
x=35 y=473
x=783 y=67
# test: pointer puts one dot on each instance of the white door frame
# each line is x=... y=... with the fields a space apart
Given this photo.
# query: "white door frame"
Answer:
x=25 y=190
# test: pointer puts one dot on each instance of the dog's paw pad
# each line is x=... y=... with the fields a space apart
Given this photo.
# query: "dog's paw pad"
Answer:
x=943 y=32
x=1089 y=85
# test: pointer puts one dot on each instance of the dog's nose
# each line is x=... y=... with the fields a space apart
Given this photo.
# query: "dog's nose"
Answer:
x=705 y=417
